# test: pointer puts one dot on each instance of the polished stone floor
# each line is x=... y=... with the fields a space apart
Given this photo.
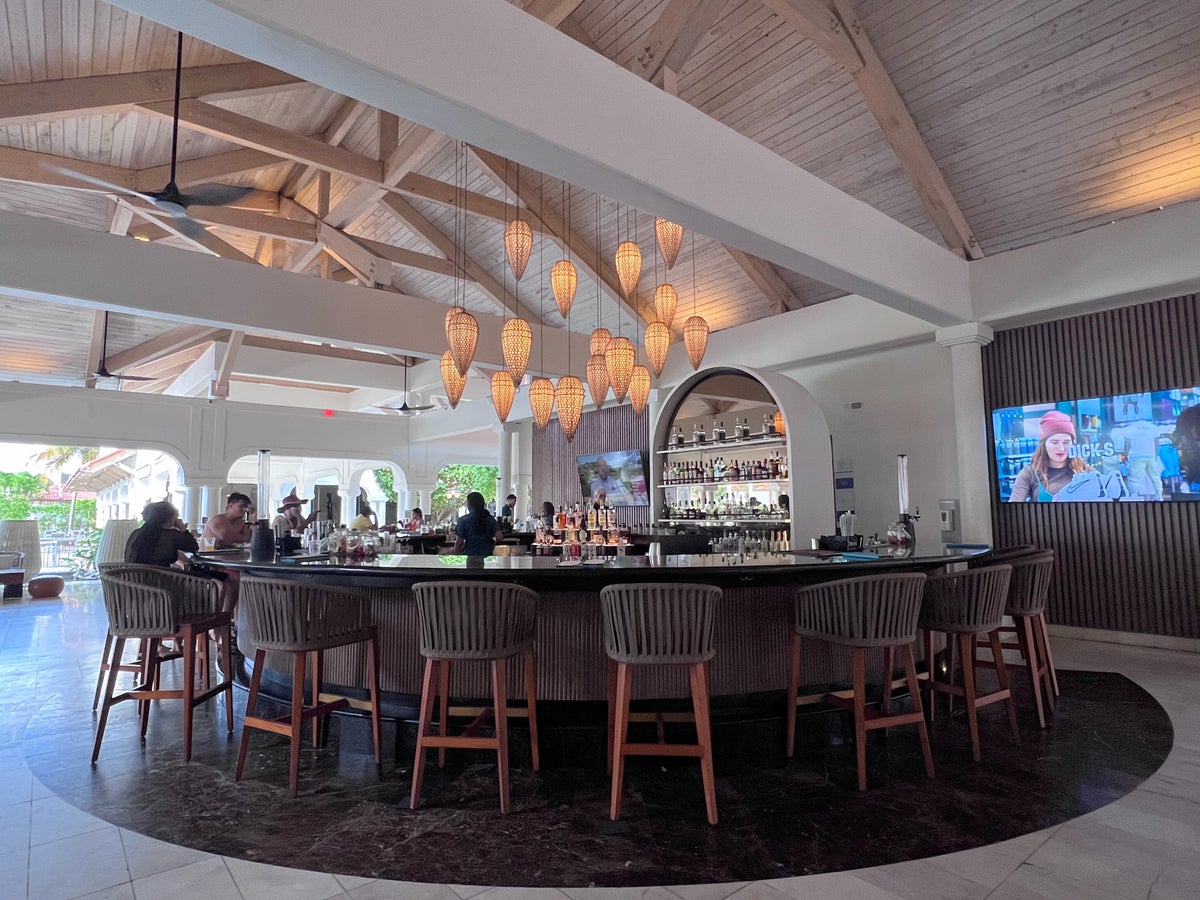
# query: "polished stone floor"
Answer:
x=778 y=819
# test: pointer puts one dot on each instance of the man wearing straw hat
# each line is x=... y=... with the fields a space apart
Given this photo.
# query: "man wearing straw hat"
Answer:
x=290 y=517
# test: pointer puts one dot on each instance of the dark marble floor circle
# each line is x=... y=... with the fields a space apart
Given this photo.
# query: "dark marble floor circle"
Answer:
x=778 y=817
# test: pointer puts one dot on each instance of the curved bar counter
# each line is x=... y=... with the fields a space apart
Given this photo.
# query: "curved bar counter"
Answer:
x=752 y=624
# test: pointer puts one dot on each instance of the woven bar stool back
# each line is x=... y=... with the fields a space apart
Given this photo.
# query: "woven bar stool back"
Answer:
x=23 y=535
x=965 y=605
x=1026 y=606
x=1003 y=555
x=305 y=620
x=481 y=621
x=862 y=613
x=659 y=624
x=150 y=604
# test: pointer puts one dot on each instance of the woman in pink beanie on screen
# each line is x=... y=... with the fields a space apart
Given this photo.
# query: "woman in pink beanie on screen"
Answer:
x=1051 y=468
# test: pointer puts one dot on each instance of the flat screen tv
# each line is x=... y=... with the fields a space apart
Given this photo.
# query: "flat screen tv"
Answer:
x=1143 y=446
x=621 y=474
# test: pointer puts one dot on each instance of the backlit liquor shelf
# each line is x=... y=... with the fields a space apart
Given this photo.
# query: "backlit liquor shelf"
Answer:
x=727 y=521
x=726 y=482
x=766 y=440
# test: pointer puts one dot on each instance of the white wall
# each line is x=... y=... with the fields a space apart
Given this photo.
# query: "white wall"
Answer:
x=907 y=407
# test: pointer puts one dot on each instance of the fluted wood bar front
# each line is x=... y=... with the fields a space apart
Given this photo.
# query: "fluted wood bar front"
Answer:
x=751 y=631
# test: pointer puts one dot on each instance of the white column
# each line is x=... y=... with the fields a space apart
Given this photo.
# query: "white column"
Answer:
x=191 y=511
x=504 y=480
x=523 y=457
x=970 y=427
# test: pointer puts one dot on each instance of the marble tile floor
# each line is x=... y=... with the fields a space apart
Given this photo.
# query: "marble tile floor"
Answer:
x=1142 y=845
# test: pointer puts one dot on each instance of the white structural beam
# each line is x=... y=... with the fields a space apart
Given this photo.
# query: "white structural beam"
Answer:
x=1146 y=257
x=612 y=131
x=163 y=282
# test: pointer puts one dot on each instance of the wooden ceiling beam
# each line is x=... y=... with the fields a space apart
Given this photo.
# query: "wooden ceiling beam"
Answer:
x=408 y=215
x=270 y=343
x=182 y=338
x=44 y=168
x=767 y=279
x=233 y=346
x=420 y=144
x=831 y=25
x=95 y=346
x=425 y=188
x=675 y=34
x=552 y=12
x=218 y=167
x=42 y=101
x=199 y=238
x=552 y=225
x=249 y=132
x=343 y=122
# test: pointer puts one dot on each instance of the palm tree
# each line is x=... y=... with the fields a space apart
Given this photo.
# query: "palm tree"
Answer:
x=56 y=458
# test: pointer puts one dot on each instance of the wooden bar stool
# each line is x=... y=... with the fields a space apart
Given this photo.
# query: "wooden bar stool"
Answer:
x=286 y=616
x=862 y=613
x=659 y=624
x=153 y=603
x=1026 y=606
x=965 y=605
x=473 y=620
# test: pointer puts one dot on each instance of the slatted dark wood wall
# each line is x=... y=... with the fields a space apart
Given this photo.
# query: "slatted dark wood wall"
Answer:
x=1126 y=566
x=555 y=474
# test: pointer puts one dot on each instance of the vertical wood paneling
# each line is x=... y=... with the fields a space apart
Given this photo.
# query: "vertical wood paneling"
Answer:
x=555 y=473
x=1130 y=566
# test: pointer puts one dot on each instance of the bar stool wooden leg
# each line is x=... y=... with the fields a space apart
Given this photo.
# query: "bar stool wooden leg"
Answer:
x=189 y=688
x=858 y=659
x=110 y=685
x=620 y=729
x=150 y=681
x=1032 y=666
x=699 y=681
x=428 y=691
x=1044 y=638
x=260 y=662
x=104 y=664
x=444 y=709
x=612 y=710
x=931 y=672
x=889 y=665
x=1006 y=692
x=500 y=699
x=373 y=687
x=531 y=705
x=966 y=645
x=793 y=668
x=914 y=690
x=227 y=666
x=316 y=696
x=297 y=721
x=1046 y=670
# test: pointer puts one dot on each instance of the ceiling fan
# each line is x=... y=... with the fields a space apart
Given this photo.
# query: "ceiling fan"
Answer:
x=170 y=199
x=404 y=409
x=102 y=369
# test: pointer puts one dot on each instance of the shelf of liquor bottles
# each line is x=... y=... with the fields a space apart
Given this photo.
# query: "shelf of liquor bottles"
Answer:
x=728 y=521
x=731 y=483
x=728 y=445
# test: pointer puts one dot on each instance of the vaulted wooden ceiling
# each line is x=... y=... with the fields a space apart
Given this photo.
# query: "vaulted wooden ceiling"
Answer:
x=984 y=127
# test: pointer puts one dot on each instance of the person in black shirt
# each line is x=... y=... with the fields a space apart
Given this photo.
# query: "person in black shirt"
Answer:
x=477 y=531
x=162 y=540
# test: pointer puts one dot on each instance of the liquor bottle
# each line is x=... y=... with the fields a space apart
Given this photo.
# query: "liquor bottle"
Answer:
x=766 y=425
x=720 y=435
x=591 y=517
x=677 y=436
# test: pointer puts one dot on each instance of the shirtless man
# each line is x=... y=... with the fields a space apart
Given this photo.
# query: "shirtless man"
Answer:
x=230 y=527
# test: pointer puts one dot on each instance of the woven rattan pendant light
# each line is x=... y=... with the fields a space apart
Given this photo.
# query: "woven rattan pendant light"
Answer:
x=658 y=342
x=619 y=358
x=666 y=299
x=568 y=396
x=695 y=329
x=516 y=343
x=452 y=380
x=503 y=392
x=462 y=330
x=600 y=336
x=462 y=333
x=629 y=266
x=670 y=239
x=639 y=388
x=541 y=401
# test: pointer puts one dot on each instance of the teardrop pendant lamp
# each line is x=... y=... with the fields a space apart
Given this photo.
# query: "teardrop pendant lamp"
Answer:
x=541 y=401
x=629 y=266
x=599 y=341
x=666 y=299
x=695 y=338
x=597 y=378
x=639 y=388
x=670 y=239
x=563 y=281
x=568 y=396
x=657 y=341
x=518 y=242
x=516 y=343
x=503 y=391
x=453 y=380
x=462 y=333
x=619 y=358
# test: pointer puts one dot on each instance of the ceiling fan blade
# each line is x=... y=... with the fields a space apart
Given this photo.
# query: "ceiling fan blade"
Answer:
x=216 y=195
x=102 y=372
x=99 y=182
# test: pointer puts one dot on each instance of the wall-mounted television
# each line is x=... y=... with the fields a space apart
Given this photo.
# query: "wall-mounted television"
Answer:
x=1139 y=446
x=621 y=474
